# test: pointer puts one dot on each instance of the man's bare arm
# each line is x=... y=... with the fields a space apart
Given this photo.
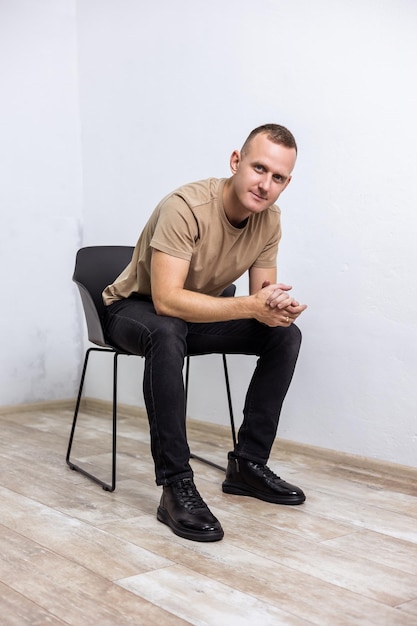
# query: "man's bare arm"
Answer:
x=168 y=276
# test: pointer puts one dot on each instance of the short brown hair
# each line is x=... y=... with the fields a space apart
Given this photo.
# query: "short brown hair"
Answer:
x=275 y=133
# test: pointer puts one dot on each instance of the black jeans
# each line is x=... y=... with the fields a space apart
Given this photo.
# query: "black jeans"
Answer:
x=133 y=325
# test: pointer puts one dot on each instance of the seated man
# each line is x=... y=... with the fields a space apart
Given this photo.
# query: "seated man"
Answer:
x=198 y=240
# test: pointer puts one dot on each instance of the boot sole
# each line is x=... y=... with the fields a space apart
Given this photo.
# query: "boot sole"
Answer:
x=244 y=490
x=163 y=516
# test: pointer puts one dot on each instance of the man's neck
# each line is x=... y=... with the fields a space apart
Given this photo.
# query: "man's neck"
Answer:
x=234 y=212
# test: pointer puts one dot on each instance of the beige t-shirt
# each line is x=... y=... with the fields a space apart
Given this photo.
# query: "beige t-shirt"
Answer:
x=191 y=224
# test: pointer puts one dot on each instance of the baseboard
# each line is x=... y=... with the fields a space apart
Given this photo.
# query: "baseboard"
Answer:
x=353 y=461
x=94 y=405
x=49 y=405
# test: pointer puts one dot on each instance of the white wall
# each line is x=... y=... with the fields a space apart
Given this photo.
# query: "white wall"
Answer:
x=40 y=200
x=168 y=89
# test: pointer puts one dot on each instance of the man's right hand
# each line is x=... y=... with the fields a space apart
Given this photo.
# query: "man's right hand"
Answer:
x=275 y=307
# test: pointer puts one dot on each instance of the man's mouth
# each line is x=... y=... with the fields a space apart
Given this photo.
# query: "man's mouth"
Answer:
x=258 y=197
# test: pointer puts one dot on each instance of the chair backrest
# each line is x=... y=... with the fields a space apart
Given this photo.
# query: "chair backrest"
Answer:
x=95 y=268
x=229 y=292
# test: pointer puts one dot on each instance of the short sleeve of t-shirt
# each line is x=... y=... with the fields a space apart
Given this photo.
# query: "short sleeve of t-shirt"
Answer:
x=176 y=231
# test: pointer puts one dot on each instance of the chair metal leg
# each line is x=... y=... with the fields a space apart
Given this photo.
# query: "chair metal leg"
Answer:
x=78 y=468
x=229 y=400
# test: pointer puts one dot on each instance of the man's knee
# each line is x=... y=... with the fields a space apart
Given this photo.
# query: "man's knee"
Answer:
x=169 y=334
x=295 y=334
x=288 y=339
x=169 y=327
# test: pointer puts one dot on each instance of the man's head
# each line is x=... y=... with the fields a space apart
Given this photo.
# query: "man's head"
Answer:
x=261 y=171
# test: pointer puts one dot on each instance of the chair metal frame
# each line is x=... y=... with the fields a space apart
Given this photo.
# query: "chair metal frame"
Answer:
x=93 y=310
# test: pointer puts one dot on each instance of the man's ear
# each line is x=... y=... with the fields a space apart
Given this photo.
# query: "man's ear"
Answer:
x=235 y=161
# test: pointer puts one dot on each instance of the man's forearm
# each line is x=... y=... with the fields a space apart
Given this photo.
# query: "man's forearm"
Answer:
x=196 y=307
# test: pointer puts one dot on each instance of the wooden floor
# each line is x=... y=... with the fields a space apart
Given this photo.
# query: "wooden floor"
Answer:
x=72 y=553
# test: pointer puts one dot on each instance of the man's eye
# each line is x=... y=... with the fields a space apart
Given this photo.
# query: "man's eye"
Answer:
x=259 y=168
x=279 y=179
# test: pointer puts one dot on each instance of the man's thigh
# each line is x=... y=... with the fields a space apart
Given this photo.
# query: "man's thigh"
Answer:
x=233 y=337
x=130 y=323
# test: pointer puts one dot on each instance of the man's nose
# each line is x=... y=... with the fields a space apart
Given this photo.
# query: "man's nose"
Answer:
x=265 y=182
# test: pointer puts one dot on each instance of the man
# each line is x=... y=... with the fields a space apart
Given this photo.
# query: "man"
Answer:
x=164 y=305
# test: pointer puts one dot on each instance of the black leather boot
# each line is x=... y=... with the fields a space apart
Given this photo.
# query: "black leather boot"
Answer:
x=185 y=512
x=247 y=478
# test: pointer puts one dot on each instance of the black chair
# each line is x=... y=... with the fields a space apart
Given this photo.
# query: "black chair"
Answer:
x=95 y=268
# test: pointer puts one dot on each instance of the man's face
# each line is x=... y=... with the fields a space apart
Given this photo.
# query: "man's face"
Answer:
x=261 y=173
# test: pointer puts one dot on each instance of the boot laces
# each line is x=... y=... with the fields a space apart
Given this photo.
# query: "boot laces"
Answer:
x=268 y=473
x=189 y=495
